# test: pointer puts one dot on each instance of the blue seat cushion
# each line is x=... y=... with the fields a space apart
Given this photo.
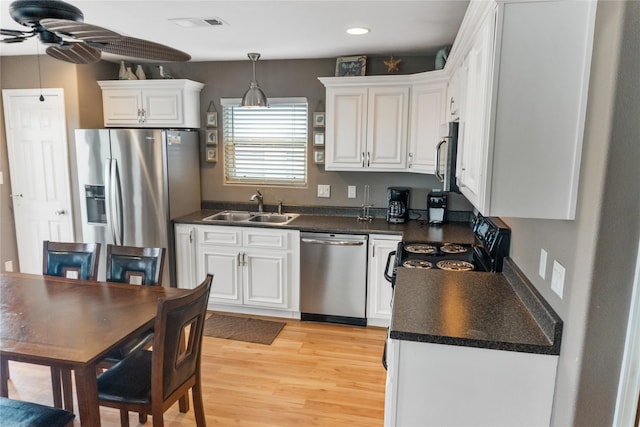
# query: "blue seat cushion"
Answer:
x=16 y=413
x=128 y=381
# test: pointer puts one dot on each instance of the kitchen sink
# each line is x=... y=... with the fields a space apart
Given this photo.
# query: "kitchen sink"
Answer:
x=242 y=216
x=273 y=218
x=229 y=216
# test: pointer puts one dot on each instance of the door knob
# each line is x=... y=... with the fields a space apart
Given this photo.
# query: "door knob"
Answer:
x=60 y=212
x=16 y=196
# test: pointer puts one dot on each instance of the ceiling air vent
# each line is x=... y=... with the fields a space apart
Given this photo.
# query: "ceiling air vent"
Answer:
x=197 y=22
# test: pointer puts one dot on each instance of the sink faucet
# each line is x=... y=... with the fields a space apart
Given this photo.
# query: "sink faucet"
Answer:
x=258 y=196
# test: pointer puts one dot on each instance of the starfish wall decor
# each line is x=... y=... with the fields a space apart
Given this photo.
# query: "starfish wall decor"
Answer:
x=392 y=64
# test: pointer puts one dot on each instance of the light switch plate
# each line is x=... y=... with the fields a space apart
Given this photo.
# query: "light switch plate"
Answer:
x=542 y=269
x=324 y=190
x=1 y=178
x=351 y=191
x=8 y=266
x=557 y=278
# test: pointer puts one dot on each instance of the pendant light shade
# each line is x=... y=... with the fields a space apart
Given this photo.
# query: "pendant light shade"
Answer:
x=254 y=97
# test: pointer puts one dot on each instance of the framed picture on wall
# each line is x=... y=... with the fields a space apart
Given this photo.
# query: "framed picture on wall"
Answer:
x=212 y=119
x=212 y=136
x=351 y=66
x=318 y=120
x=318 y=157
x=318 y=138
x=211 y=153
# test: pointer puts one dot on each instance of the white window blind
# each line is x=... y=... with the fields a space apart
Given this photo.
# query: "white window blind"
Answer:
x=266 y=145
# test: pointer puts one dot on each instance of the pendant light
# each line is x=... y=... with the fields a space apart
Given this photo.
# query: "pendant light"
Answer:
x=254 y=97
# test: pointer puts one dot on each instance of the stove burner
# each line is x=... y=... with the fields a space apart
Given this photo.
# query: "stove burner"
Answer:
x=455 y=265
x=453 y=249
x=417 y=263
x=420 y=248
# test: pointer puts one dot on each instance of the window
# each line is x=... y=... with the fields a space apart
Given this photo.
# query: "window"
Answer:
x=265 y=145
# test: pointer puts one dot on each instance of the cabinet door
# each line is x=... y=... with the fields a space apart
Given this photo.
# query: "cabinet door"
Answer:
x=224 y=263
x=345 y=128
x=387 y=128
x=122 y=107
x=427 y=114
x=379 y=289
x=265 y=278
x=475 y=120
x=185 y=256
x=162 y=107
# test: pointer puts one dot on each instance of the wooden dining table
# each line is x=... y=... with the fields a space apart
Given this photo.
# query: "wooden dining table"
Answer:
x=72 y=324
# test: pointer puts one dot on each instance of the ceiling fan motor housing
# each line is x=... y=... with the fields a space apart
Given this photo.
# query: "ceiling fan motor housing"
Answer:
x=30 y=12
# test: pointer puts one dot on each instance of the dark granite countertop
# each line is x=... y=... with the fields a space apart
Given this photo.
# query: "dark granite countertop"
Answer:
x=412 y=230
x=473 y=309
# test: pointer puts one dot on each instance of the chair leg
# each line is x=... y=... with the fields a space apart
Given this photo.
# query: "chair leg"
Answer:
x=198 y=408
x=67 y=389
x=56 y=387
x=124 y=418
x=183 y=403
x=142 y=418
x=4 y=377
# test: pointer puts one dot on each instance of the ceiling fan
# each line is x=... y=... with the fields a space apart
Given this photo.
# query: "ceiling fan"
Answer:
x=60 y=26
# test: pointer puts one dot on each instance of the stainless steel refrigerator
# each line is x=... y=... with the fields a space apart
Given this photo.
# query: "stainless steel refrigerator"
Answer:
x=132 y=183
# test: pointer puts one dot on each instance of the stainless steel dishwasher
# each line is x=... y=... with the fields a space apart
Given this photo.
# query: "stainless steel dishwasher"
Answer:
x=333 y=285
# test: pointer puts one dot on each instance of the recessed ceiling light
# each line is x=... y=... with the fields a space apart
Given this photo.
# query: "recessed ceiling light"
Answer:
x=197 y=22
x=357 y=31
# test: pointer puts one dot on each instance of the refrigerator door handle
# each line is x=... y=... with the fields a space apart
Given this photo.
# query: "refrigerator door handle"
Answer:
x=109 y=199
x=118 y=203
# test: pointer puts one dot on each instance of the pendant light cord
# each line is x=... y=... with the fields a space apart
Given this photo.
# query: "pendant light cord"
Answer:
x=39 y=71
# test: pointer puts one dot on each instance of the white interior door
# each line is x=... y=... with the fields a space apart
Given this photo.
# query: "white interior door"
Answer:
x=39 y=169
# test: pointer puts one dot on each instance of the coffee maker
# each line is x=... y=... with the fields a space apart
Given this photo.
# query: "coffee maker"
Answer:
x=397 y=205
x=437 y=207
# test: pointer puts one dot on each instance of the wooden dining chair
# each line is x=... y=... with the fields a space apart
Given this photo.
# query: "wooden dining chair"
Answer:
x=21 y=413
x=72 y=261
x=149 y=382
x=137 y=266
x=134 y=265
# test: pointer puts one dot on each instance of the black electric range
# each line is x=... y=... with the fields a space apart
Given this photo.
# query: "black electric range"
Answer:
x=491 y=245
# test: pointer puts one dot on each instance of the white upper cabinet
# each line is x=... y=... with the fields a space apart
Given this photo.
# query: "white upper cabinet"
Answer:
x=428 y=112
x=151 y=103
x=366 y=123
x=522 y=119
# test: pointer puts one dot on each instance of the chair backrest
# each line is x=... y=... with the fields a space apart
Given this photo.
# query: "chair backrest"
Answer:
x=178 y=340
x=133 y=265
x=71 y=260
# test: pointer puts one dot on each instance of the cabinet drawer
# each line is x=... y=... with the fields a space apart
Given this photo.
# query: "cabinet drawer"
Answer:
x=270 y=239
x=212 y=235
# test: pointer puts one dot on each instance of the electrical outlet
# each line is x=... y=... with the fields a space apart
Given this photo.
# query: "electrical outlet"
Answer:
x=8 y=266
x=351 y=191
x=324 y=191
x=542 y=269
x=557 y=278
x=1 y=178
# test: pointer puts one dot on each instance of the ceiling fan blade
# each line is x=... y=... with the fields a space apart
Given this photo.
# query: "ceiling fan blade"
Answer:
x=16 y=33
x=144 y=49
x=80 y=30
x=75 y=53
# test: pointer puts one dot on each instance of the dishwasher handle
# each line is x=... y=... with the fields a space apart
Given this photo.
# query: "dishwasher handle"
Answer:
x=333 y=242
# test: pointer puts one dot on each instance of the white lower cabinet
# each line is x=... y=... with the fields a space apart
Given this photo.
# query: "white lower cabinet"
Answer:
x=185 y=252
x=256 y=270
x=436 y=385
x=379 y=290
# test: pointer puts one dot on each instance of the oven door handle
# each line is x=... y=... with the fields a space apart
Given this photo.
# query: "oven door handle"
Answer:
x=386 y=268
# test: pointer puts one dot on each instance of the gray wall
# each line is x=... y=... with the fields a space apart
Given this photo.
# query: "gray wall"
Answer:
x=599 y=248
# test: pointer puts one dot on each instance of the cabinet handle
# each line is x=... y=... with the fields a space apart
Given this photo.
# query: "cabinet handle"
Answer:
x=139 y=115
x=410 y=160
x=190 y=236
x=451 y=102
x=239 y=258
x=368 y=158
x=244 y=258
x=362 y=159
x=144 y=115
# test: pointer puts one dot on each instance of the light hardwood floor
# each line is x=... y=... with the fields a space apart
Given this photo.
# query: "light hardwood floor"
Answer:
x=313 y=374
